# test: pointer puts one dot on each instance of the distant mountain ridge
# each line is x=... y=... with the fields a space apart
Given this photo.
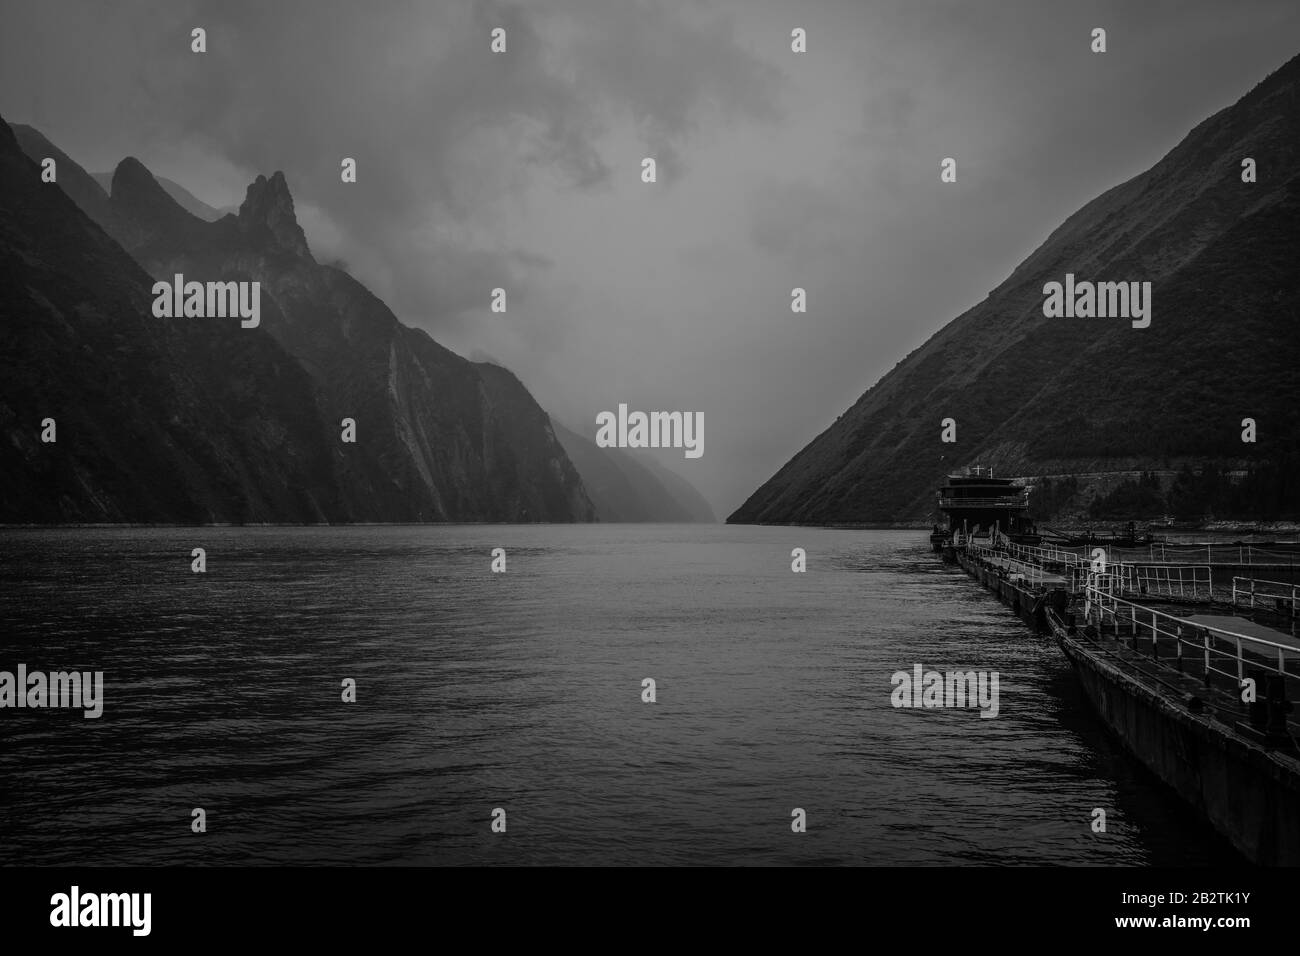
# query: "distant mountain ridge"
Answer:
x=626 y=487
x=439 y=438
x=184 y=198
x=682 y=491
x=1034 y=395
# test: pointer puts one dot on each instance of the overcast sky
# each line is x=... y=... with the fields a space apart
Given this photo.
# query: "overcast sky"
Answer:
x=776 y=169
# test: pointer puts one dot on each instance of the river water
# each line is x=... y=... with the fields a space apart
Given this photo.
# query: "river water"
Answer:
x=523 y=691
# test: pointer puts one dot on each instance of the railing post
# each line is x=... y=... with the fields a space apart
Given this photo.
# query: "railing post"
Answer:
x=1205 y=637
x=1178 y=642
x=1240 y=662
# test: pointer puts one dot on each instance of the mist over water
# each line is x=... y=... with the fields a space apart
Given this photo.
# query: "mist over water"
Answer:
x=523 y=691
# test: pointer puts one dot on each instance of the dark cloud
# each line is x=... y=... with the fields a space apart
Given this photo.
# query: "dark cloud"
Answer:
x=776 y=170
x=673 y=72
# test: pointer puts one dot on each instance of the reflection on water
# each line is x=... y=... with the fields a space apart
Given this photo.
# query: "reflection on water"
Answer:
x=523 y=691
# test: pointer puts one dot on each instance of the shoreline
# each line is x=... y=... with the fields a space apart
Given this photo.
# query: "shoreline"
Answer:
x=1172 y=530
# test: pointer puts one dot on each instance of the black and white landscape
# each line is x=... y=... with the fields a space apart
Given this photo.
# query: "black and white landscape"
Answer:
x=489 y=433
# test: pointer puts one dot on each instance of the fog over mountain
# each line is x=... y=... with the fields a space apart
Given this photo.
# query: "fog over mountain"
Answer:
x=184 y=198
x=1029 y=394
x=627 y=485
x=777 y=170
x=212 y=419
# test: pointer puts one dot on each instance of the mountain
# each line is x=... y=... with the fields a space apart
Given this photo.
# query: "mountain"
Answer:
x=1036 y=396
x=191 y=203
x=83 y=188
x=626 y=487
x=438 y=438
x=682 y=491
x=155 y=420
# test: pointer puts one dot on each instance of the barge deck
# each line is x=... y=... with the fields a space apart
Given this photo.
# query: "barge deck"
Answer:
x=1196 y=680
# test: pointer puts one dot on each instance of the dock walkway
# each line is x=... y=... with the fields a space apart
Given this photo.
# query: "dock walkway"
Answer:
x=1244 y=625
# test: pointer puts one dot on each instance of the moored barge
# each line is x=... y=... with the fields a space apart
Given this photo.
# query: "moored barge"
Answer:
x=1197 y=688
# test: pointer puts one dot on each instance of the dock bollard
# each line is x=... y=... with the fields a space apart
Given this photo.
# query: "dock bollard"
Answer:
x=1277 y=707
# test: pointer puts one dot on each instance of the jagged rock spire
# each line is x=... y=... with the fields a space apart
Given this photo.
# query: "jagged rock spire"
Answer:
x=267 y=215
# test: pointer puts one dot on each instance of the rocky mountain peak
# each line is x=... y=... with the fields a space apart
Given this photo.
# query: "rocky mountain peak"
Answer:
x=138 y=199
x=267 y=215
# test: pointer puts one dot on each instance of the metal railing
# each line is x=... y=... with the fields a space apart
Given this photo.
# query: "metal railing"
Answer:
x=990 y=552
x=1099 y=594
x=1164 y=553
x=1006 y=501
x=1240 y=554
x=1189 y=581
x=1192 y=581
x=1189 y=646
x=1247 y=592
x=1046 y=554
x=1026 y=571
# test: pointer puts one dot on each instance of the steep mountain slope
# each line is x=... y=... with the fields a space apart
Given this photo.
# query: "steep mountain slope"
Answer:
x=1036 y=395
x=682 y=491
x=191 y=203
x=438 y=438
x=629 y=488
x=84 y=189
x=156 y=420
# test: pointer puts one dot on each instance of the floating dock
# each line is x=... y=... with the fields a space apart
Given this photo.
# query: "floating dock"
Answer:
x=1194 y=672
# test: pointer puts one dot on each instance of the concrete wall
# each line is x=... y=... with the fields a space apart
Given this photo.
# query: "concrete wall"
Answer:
x=1248 y=792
